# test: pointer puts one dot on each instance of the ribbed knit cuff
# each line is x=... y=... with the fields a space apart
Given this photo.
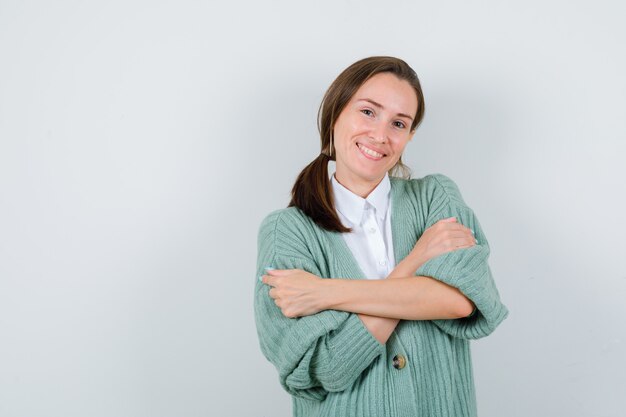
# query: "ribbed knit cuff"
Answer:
x=463 y=269
x=353 y=348
x=468 y=270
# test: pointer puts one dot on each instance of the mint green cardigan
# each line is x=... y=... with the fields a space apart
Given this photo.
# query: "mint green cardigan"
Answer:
x=330 y=363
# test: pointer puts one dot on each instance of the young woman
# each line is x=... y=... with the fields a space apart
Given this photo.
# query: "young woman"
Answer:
x=371 y=285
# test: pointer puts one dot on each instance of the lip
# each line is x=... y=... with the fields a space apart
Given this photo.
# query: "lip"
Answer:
x=380 y=151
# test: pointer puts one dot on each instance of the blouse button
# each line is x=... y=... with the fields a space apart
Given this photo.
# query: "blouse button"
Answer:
x=372 y=230
x=399 y=361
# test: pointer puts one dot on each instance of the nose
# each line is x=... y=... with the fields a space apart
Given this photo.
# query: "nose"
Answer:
x=379 y=132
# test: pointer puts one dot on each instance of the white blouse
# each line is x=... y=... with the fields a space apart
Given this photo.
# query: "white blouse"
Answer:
x=370 y=219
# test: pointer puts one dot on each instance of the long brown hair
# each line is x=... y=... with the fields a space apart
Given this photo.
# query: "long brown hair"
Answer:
x=312 y=192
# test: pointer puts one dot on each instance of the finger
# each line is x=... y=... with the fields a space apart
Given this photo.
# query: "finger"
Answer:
x=463 y=242
x=449 y=219
x=470 y=234
x=458 y=227
x=460 y=233
x=454 y=222
x=272 y=293
x=270 y=280
x=279 y=272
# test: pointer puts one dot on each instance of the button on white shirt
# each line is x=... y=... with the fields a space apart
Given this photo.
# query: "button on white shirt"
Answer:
x=370 y=220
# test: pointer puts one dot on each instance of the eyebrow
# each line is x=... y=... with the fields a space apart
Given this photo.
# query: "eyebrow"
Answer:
x=380 y=106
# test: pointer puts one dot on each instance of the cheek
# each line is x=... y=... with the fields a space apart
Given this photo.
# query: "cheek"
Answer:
x=348 y=127
x=399 y=144
x=345 y=134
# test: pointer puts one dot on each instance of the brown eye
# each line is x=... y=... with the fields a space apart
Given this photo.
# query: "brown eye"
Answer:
x=400 y=124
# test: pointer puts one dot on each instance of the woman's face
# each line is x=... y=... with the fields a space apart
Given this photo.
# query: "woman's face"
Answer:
x=372 y=130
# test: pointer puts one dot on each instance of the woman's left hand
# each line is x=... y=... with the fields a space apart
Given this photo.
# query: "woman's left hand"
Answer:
x=296 y=292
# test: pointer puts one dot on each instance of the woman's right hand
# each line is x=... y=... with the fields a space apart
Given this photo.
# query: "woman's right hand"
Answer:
x=444 y=236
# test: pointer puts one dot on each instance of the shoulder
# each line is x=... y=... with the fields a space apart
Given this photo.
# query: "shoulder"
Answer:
x=431 y=187
x=285 y=218
x=287 y=227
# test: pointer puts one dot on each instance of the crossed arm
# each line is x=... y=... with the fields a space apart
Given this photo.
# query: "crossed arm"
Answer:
x=381 y=304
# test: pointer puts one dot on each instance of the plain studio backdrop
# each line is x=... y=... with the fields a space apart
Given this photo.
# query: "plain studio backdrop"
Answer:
x=142 y=143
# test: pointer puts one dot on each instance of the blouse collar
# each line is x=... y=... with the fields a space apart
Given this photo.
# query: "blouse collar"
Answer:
x=352 y=206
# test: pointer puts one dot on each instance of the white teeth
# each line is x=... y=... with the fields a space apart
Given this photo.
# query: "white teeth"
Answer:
x=370 y=152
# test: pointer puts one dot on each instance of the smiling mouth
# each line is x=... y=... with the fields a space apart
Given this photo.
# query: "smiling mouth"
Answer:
x=369 y=152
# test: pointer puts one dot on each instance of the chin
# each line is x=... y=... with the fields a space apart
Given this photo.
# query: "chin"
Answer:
x=372 y=176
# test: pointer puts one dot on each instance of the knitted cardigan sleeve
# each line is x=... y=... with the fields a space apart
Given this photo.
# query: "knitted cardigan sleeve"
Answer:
x=466 y=269
x=314 y=354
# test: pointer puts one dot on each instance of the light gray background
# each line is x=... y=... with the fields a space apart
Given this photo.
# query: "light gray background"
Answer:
x=141 y=144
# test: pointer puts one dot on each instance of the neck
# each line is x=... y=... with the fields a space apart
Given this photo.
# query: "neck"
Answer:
x=358 y=186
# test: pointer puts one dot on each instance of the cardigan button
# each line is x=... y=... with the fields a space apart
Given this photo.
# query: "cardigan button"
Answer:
x=399 y=361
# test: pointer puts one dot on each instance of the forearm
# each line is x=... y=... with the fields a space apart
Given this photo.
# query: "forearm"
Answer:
x=408 y=298
x=382 y=327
